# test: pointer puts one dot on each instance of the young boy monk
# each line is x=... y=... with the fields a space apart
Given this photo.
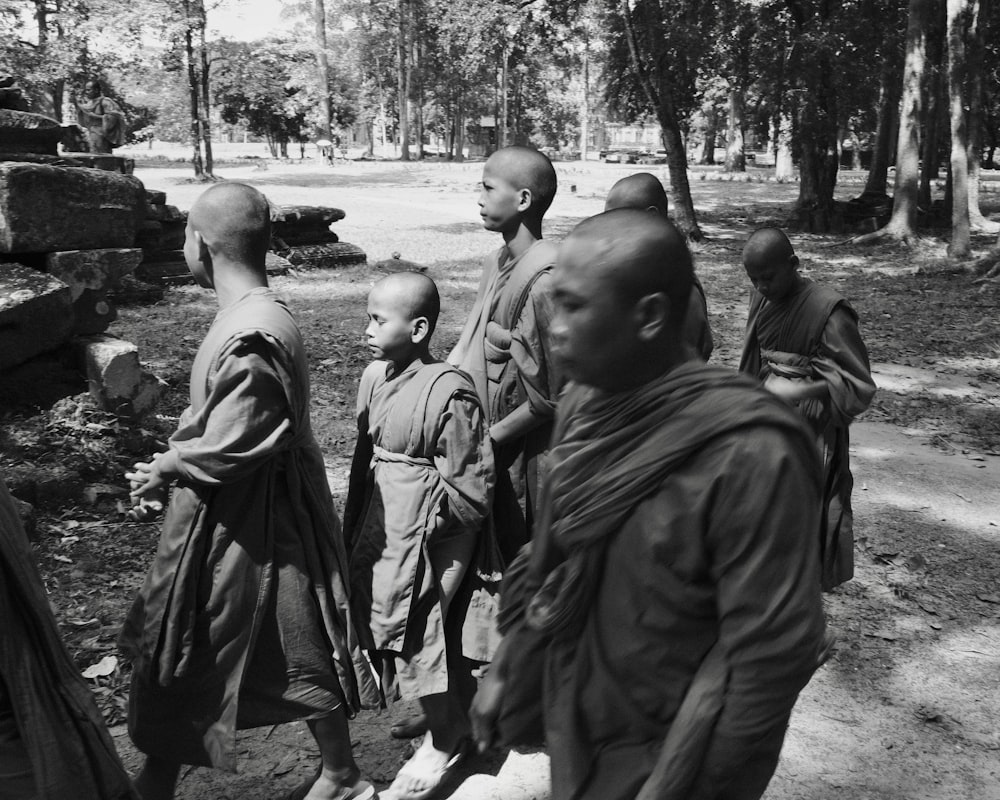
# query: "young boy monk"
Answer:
x=643 y=190
x=421 y=486
x=504 y=345
x=242 y=620
x=803 y=341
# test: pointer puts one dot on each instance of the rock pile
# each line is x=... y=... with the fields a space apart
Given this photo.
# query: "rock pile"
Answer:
x=67 y=237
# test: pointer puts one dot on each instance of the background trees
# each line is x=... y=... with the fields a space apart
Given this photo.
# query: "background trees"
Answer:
x=817 y=84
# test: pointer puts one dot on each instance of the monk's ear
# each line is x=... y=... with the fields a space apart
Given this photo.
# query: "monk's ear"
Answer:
x=652 y=316
x=524 y=200
x=420 y=330
x=793 y=261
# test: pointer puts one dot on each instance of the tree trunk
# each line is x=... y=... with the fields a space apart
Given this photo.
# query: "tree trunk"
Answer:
x=934 y=115
x=975 y=66
x=711 y=134
x=205 y=122
x=658 y=93
x=855 y=149
x=585 y=100
x=888 y=101
x=322 y=69
x=193 y=93
x=784 y=168
x=959 y=247
x=902 y=224
x=819 y=159
x=403 y=84
x=460 y=128
x=416 y=71
x=736 y=160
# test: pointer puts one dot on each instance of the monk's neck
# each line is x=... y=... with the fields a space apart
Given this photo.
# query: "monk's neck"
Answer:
x=231 y=286
x=415 y=361
x=519 y=241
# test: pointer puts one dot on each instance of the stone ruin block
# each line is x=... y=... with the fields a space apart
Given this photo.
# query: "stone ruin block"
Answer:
x=91 y=275
x=302 y=225
x=45 y=209
x=325 y=256
x=116 y=379
x=36 y=313
x=25 y=132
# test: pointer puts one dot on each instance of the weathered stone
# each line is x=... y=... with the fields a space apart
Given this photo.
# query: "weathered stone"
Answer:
x=169 y=267
x=36 y=158
x=325 y=256
x=293 y=237
x=106 y=162
x=116 y=379
x=305 y=215
x=35 y=313
x=24 y=132
x=156 y=197
x=92 y=269
x=90 y=275
x=165 y=213
x=45 y=208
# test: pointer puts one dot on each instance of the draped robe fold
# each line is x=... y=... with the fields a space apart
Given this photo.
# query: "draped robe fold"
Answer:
x=671 y=562
x=504 y=347
x=243 y=619
x=53 y=741
x=423 y=473
x=814 y=334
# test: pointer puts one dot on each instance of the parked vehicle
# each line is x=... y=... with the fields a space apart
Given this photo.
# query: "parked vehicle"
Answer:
x=654 y=157
x=621 y=157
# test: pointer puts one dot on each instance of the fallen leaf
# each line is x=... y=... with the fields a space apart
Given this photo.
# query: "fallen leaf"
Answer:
x=989 y=598
x=106 y=666
x=287 y=764
x=63 y=559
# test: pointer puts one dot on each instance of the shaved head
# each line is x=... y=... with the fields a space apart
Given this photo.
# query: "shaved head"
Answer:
x=634 y=253
x=767 y=245
x=412 y=294
x=621 y=285
x=234 y=221
x=526 y=168
x=641 y=191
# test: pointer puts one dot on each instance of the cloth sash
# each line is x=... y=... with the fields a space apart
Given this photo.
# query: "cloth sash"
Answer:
x=610 y=452
x=490 y=339
x=788 y=331
x=381 y=454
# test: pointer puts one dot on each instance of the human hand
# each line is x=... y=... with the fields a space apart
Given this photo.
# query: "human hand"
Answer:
x=146 y=480
x=787 y=389
x=485 y=710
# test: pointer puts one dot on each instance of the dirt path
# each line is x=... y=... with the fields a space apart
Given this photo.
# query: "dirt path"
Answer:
x=908 y=707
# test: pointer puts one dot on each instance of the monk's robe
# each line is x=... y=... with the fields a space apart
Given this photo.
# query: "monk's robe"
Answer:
x=697 y=331
x=421 y=484
x=243 y=618
x=814 y=333
x=672 y=587
x=504 y=347
x=53 y=741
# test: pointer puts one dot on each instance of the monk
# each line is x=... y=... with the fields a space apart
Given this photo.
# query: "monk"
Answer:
x=243 y=617
x=669 y=603
x=103 y=119
x=803 y=341
x=421 y=486
x=504 y=345
x=53 y=741
x=644 y=191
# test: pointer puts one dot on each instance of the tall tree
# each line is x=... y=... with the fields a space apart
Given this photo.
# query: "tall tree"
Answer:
x=902 y=226
x=959 y=13
x=322 y=68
